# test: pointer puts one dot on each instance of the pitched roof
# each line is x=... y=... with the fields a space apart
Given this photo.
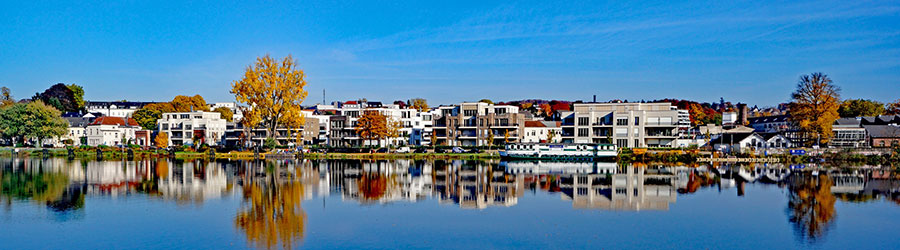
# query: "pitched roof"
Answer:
x=112 y=120
x=847 y=122
x=534 y=124
x=767 y=119
x=78 y=121
x=768 y=136
x=883 y=131
x=731 y=137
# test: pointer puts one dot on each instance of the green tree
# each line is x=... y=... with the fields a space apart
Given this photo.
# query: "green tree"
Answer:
x=77 y=95
x=33 y=120
x=44 y=121
x=226 y=113
x=147 y=117
x=860 y=107
x=488 y=101
x=12 y=122
x=814 y=107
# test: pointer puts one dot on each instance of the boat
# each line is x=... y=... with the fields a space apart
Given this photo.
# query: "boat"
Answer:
x=558 y=167
x=561 y=152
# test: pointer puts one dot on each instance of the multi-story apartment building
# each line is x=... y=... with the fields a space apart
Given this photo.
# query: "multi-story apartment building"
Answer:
x=237 y=135
x=189 y=128
x=415 y=126
x=474 y=124
x=624 y=124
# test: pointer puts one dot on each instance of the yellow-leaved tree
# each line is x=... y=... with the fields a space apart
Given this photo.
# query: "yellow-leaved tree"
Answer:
x=273 y=92
x=814 y=108
x=162 y=140
x=419 y=104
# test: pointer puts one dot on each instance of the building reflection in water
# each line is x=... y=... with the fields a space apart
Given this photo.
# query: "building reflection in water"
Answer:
x=272 y=192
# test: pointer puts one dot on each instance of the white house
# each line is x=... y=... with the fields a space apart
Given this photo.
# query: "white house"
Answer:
x=111 y=131
x=538 y=131
x=779 y=141
x=77 y=131
x=739 y=142
x=184 y=127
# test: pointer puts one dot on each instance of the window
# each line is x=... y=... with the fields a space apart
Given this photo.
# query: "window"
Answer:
x=622 y=121
x=582 y=132
x=583 y=121
x=500 y=111
x=622 y=143
x=637 y=121
x=185 y=116
x=637 y=143
x=470 y=112
x=621 y=132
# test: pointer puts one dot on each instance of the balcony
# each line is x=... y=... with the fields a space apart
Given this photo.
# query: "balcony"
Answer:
x=660 y=124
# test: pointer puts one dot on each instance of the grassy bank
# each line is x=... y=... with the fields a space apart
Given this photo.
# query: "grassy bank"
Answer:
x=414 y=156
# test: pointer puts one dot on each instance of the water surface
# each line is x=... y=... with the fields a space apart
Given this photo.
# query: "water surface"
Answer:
x=58 y=203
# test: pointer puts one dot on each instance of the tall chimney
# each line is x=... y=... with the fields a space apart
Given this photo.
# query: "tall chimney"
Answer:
x=595 y=98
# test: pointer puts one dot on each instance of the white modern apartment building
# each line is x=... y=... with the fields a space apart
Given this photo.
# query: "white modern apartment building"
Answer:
x=234 y=107
x=622 y=124
x=111 y=131
x=184 y=127
x=415 y=126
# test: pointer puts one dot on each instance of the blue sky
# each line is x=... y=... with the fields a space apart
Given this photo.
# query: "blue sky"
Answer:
x=447 y=52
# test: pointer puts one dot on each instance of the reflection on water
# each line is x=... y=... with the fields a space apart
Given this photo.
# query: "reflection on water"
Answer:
x=271 y=211
x=271 y=215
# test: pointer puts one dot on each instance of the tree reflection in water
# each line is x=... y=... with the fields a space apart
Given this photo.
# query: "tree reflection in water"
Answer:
x=41 y=186
x=811 y=206
x=274 y=214
x=374 y=185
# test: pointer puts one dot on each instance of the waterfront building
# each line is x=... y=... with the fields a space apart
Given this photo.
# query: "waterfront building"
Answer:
x=238 y=135
x=882 y=136
x=848 y=133
x=474 y=123
x=738 y=142
x=76 y=131
x=111 y=131
x=117 y=109
x=190 y=128
x=622 y=124
x=776 y=124
x=538 y=132
x=416 y=127
x=238 y=114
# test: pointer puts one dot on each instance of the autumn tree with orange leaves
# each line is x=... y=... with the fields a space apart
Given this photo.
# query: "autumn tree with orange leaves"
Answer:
x=273 y=92
x=375 y=126
x=814 y=107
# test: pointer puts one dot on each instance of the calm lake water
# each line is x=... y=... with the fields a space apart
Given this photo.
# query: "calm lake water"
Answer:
x=73 y=204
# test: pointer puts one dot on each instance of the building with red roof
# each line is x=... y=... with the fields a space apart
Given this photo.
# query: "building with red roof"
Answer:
x=112 y=131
